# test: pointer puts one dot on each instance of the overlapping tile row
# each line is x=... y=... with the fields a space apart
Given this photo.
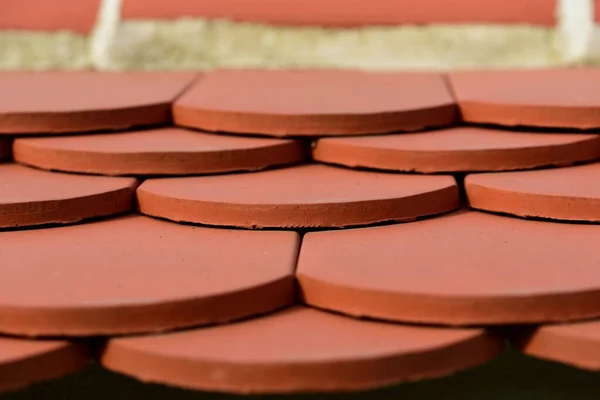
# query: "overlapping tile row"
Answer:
x=381 y=34
x=251 y=207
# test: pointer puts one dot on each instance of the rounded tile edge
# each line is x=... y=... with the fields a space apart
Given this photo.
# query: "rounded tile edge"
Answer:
x=529 y=205
x=314 y=125
x=254 y=216
x=288 y=152
x=352 y=155
x=56 y=360
x=337 y=375
x=562 y=344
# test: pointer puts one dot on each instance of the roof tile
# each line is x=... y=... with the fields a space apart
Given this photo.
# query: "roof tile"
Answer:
x=299 y=350
x=356 y=12
x=551 y=98
x=32 y=197
x=23 y=361
x=111 y=275
x=466 y=268
x=307 y=196
x=576 y=344
x=164 y=151
x=567 y=194
x=59 y=102
x=459 y=149
x=136 y=274
x=57 y=15
x=315 y=103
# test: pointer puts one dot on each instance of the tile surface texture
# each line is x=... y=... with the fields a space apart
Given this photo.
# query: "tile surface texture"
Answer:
x=31 y=197
x=23 y=362
x=315 y=103
x=459 y=149
x=552 y=98
x=576 y=344
x=57 y=15
x=243 y=232
x=357 y=12
x=307 y=196
x=274 y=354
x=136 y=274
x=567 y=194
x=466 y=268
x=61 y=102
x=164 y=151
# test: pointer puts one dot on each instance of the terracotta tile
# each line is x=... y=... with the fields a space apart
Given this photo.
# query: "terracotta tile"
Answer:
x=299 y=350
x=461 y=269
x=317 y=103
x=23 y=362
x=312 y=196
x=165 y=151
x=458 y=149
x=553 y=98
x=56 y=15
x=570 y=194
x=55 y=102
x=575 y=344
x=32 y=197
x=5 y=148
x=137 y=274
x=355 y=12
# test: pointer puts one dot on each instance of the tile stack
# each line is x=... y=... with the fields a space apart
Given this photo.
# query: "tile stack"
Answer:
x=296 y=231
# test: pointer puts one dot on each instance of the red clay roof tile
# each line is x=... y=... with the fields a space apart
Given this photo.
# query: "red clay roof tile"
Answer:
x=137 y=274
x=23 y=361
x=458 y=149
x=551 y=98
x=349 y=13
x=58 y=102
x=570 y=194
x=32 y=197
x=576 y=344
x=57 y=15
x=299 y=350
x=165 y=151
x=315 y=103
x=308 y=196
x=467 y=268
